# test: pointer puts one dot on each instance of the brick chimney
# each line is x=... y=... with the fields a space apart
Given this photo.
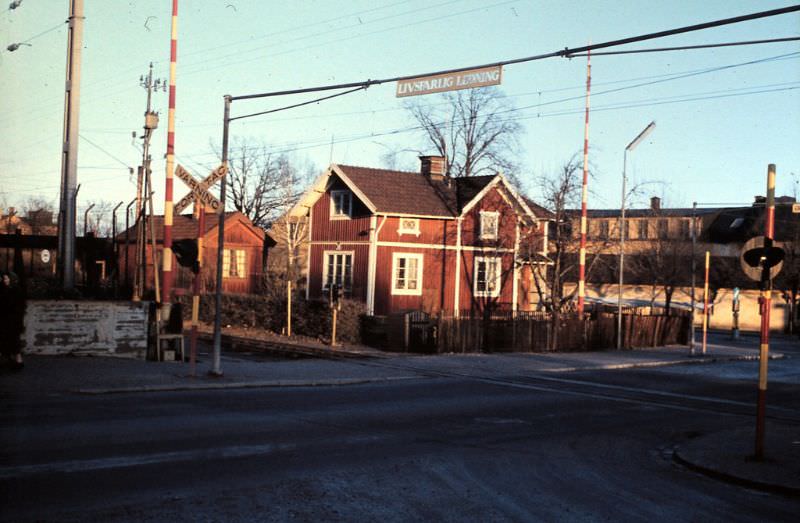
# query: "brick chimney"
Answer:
x=433 y=167
x=655 y=203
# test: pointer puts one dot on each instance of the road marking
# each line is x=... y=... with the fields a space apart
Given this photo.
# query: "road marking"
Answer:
x=83 y=465
x=545 y=388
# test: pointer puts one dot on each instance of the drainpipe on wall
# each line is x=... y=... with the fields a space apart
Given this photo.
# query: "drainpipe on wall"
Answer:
x=371 y=262
x=308 y=258
x=515 y=290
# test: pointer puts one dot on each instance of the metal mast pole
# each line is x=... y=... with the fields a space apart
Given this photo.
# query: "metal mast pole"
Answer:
x=631 y=146
x=621 y=247
x=216 y=370
x=694 y=270
x=584 y=194
x=167 y=255
x=69 y=152
x=705 y=303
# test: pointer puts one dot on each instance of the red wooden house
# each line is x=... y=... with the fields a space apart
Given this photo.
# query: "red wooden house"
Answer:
x=242 y=258
x=419 y=240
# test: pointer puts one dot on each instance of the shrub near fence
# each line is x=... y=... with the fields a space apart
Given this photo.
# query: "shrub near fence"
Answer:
x=309 y=318
x=521 y=332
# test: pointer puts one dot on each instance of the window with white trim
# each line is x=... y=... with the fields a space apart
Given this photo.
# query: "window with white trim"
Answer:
x=489 y=220
x=341 y=204
x=487 y=276
x=407 y=273
x=338 y=269
x=234 y=263
x=409 y=226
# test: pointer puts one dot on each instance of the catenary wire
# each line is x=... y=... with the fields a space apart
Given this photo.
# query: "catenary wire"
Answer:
x=565 y=53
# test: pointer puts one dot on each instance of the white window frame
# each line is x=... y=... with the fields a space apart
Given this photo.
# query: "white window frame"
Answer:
x=348 y=199
x=325 y=255
x=497 y=276
x=489 y=235
x=396 y=257
x=240 y=257
x=405 y=230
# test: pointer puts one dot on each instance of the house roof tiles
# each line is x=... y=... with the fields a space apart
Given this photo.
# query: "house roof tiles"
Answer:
x=185 y=227
x=399 y=192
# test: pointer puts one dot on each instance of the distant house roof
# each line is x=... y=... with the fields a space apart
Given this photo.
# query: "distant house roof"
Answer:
x=725 y=224
x=411 y=193
x=185 y=227
x=679 y=212
x=739 y=224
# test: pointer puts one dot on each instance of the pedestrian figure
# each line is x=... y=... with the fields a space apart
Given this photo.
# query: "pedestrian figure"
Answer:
x=12 y=318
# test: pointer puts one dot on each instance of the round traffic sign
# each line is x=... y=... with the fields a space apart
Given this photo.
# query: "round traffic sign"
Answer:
x=755 y=257
x=45 y=256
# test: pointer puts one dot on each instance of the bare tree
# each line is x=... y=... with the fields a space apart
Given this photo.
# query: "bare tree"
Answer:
x=560 y=193
x=39 y=213
x=291 y=232
x=256 y=178
x=665 y=263
x=474 y=130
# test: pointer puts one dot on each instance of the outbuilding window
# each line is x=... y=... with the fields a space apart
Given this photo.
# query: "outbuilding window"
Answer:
x=234 y=263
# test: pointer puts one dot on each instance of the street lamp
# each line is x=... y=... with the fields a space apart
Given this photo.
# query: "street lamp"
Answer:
x=631 y=146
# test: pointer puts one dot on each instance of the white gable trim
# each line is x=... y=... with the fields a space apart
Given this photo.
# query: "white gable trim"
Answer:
x=319 y=187
x=500 y=179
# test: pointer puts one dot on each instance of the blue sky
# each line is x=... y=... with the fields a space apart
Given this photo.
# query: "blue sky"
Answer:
x=716 y=129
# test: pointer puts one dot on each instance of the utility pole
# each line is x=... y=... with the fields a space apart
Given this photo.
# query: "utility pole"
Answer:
x=69 y=151
x=216 y=369
x=150 y=124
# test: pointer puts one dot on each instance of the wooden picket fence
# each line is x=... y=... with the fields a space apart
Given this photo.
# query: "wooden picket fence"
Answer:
x=533 y=332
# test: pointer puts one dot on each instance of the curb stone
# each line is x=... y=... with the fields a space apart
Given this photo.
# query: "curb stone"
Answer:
x=240 y=385
x=736 y=480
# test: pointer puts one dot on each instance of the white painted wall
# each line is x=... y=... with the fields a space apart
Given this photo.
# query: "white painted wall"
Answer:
x=117 y=328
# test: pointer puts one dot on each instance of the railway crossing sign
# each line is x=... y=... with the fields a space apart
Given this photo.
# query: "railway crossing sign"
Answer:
x=199 y=190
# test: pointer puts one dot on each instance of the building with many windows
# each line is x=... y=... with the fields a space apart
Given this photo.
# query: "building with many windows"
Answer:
x=419 y=240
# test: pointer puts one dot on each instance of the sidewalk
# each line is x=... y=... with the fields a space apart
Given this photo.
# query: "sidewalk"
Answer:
x=321 y=365
x=728 y=455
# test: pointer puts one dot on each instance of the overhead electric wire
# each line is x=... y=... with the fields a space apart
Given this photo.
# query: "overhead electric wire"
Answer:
x=9 y=49
x=344 y=28
x=565 y=53
x=316 y=100
x=105 y=152
x=690 y=47
x=295 y=28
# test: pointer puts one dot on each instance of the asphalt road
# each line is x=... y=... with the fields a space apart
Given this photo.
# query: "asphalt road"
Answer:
x=591 y=446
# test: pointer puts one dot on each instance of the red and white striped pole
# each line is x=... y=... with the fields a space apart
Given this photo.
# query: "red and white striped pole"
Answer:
x=766 y=304
x=168 y=209
x=584 y=193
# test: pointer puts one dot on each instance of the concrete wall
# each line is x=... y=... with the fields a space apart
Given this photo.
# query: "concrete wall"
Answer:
x=721 y=314
x=85 y=327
